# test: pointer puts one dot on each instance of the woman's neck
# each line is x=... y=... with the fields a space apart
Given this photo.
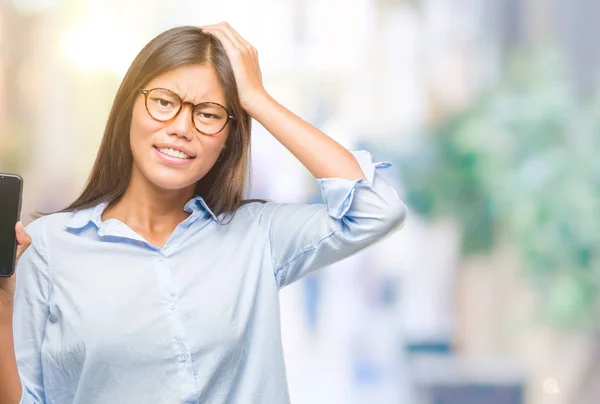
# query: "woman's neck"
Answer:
x=148 y=210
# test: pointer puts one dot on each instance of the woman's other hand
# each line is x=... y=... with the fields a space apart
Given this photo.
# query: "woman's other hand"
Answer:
x=244 y=61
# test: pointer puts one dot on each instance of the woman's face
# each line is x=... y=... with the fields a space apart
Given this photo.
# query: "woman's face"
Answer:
x=153 y=142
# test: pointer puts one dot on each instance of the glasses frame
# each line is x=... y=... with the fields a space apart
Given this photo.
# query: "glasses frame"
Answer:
x=182 y=103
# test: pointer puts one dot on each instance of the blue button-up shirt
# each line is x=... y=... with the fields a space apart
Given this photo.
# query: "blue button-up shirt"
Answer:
x=103 y=316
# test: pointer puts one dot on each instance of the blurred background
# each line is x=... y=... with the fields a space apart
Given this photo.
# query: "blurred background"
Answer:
x=488 y=111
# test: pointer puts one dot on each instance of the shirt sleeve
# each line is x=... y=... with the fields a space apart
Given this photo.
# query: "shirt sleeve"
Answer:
x=31 y=313
x=354 y=216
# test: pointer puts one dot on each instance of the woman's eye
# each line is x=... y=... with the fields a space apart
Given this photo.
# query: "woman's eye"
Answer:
x=162 y=102
x=206 y=115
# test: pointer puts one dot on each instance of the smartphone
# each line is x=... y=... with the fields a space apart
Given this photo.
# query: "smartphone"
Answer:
x=11 y=189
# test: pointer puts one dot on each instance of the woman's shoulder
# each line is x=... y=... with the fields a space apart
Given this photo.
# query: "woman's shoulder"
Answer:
x=254 y=208
x=52 y=221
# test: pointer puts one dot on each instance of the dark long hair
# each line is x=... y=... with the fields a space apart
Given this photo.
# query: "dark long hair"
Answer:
x=223 y=186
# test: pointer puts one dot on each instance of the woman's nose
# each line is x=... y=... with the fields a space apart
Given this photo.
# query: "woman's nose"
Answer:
x=182 y=125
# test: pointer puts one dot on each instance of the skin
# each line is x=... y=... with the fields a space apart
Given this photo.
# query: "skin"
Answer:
x=153 y=203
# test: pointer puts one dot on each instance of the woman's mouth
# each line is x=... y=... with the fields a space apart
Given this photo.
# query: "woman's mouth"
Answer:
x=172 y=157
x=173 y=153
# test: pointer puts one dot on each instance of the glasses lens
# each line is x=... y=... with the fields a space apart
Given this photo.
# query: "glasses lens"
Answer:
x=210 y=118
x=163 y=104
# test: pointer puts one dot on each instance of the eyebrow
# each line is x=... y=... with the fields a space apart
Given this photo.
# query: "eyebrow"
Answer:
x=202 y=98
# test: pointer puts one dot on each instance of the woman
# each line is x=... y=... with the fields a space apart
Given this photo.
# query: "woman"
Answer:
x=159 y=284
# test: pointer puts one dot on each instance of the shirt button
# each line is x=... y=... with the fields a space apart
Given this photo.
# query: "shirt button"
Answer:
x=172 y=306
x=182 y=358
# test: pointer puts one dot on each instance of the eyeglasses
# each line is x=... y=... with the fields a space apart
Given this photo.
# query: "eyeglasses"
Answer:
x=209 y=118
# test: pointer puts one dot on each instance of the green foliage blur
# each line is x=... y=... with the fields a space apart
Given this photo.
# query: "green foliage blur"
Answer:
x=522 y=164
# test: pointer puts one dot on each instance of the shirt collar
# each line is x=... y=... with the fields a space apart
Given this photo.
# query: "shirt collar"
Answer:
x=81 y=218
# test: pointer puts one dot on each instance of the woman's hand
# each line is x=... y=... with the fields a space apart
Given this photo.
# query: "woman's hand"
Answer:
x=244 y=61
x=7 y=285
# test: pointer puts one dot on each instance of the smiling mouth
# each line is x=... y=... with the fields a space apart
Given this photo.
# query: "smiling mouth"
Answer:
x=173 y=153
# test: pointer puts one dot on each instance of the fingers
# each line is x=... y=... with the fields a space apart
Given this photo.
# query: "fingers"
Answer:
x=243 y=58
x=225 y=32
x=229 y=29
x=230 y=47
x=23 y=239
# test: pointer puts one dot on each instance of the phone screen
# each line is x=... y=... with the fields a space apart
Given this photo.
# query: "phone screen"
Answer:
x=10 y=206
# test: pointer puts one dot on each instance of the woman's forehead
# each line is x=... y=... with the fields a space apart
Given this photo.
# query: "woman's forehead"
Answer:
x=193 y=83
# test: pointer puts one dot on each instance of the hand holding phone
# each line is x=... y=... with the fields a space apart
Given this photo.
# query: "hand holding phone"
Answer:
x=7 y=285
x=23 y=239
x=13 y=239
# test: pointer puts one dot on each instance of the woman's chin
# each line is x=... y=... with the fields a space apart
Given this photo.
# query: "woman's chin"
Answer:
x=172 y=182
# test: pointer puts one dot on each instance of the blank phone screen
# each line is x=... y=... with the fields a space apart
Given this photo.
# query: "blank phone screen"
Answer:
x=10 y=195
